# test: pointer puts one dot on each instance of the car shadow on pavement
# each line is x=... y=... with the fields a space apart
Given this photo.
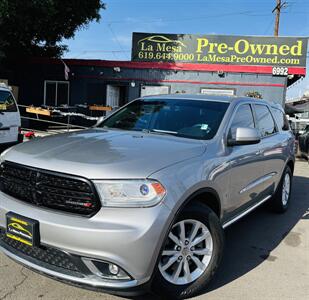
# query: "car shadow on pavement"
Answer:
x=251 y=241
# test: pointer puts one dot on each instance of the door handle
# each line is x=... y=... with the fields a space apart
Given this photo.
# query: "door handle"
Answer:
x=258 y=152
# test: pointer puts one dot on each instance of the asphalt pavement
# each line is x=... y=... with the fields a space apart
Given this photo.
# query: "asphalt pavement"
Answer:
x=266 y=257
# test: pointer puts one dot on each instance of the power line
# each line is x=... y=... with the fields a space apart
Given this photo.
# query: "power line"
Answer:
x=113 y=52
x=269 y=25
x=117 y=40
x=188 y=19
x=104 y=51
x=184 y=18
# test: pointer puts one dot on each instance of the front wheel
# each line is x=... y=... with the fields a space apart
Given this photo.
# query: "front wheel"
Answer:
x=190 y=255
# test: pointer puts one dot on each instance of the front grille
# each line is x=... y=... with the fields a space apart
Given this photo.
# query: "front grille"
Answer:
x=49 y=189
x=48 y=257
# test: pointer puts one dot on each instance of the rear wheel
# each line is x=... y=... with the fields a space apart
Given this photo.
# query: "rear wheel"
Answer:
x=280 y=201
x=190 y=255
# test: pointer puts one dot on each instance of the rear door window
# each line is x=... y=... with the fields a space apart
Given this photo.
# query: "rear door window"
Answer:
x=265 y=121
x=7 y=102
x=281 y=119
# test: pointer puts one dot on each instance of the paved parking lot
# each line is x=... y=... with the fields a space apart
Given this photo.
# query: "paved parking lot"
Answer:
x=266 y=257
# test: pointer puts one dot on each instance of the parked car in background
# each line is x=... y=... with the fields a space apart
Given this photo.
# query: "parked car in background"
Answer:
x=303 y=143
x=298 y=125
x=9 y=119
x=141 y=201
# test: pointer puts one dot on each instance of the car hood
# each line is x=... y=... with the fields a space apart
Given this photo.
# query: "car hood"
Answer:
x=105 y=154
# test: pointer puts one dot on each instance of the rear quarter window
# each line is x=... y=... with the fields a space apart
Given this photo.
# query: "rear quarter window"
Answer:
x=281 y=119
x=7 y=102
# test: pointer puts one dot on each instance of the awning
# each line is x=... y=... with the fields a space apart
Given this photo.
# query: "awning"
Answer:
x=291 y=110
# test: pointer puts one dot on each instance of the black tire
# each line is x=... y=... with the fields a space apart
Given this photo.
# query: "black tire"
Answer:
x=276 y=202
x=167 y=290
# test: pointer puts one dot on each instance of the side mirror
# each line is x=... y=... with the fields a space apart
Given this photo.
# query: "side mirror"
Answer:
x=245 y=136
x=99 y=121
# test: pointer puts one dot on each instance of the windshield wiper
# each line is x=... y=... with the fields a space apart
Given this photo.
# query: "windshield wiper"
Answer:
x=159 y=131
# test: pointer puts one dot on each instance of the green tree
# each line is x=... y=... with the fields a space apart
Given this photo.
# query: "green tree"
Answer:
x=37 y=27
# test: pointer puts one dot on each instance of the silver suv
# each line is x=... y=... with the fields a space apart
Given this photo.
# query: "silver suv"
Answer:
x=140 y=202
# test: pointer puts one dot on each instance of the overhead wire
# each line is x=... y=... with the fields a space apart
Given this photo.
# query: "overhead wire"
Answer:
x=116 y=39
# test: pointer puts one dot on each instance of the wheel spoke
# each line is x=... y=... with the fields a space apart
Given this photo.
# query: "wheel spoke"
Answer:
x=169 y=252
x=187 y=271
x=194 y=232
x=174 y=238
x=198 y=263
x=204 y=251
x=169 y=262
x=182 y=232
x=178 y=270
x=200 y=238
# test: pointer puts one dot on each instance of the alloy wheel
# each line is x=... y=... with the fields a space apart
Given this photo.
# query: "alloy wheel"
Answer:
x=187 y=252
x=286 y=189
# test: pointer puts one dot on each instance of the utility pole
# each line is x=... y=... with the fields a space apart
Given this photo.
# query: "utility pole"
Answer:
x=277 y=9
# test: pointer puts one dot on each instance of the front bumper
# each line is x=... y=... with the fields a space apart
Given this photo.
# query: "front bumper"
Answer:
x=90 y=280
x=129 y=238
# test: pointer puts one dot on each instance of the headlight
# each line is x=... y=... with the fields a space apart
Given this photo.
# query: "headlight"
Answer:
x=2 y=155
x=130 y=193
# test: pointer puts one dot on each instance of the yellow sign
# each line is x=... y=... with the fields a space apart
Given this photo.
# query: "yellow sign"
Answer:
x=220 y=49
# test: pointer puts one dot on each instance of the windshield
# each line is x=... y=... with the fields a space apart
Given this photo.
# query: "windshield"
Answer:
x=7 y=102
x=185 y=118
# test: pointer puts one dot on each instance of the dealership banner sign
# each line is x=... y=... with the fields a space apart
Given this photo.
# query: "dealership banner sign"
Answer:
x=282 y=52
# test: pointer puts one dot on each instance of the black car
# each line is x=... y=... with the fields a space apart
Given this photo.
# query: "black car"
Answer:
x=303 y=143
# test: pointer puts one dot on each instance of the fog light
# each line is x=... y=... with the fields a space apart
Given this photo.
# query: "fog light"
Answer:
x=105 y=269
x=113 y=269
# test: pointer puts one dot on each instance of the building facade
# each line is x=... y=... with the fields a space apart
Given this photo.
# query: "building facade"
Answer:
x=115 y=83
x=167 y=63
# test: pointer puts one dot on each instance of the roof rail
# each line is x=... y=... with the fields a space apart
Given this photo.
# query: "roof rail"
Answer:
x=4 y=85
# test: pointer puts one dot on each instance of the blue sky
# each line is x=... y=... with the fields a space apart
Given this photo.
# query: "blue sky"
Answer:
x=111 y=38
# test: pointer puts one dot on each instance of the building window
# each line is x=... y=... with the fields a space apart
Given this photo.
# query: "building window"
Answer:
x=151 y=90
x=216 y=91
x=56 y=93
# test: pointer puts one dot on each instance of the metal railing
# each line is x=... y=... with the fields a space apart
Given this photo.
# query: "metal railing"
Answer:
x=67 y=125
x=63 y=126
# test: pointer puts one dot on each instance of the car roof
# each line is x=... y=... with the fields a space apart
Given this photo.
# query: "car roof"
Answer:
x=215 y=98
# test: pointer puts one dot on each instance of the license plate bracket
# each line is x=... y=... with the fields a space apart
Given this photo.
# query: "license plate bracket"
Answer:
x=22 y=229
